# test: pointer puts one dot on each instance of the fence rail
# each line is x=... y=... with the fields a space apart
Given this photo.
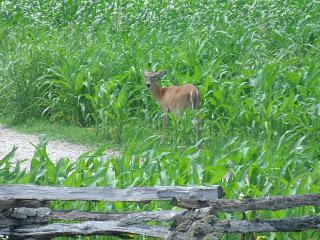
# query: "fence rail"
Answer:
x=268 y=203
x=136 y=194
x=25 y=213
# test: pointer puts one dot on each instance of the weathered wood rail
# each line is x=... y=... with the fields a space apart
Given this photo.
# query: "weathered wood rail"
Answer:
x=25 y=213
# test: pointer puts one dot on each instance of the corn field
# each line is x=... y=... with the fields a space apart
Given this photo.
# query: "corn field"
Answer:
x=256 y=64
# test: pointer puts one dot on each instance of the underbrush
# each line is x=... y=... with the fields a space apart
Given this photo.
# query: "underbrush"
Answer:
x=255 y=63
x=250 y=168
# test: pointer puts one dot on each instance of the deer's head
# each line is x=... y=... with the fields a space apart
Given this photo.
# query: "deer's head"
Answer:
x=151 y=77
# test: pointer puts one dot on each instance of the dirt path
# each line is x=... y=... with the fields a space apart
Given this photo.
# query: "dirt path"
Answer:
x=55 y=149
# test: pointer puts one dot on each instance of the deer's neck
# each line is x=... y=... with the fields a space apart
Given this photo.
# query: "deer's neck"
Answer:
x=155 y=89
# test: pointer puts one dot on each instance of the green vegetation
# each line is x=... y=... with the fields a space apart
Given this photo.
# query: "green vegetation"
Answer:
x=256 y=63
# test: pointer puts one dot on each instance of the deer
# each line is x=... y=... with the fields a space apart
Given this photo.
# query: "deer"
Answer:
x=173 y=99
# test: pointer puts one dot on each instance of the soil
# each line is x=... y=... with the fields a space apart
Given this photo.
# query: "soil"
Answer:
x=26 y=146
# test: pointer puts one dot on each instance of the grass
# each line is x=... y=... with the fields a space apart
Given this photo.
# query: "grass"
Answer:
x=237 y=167
x=256 y=64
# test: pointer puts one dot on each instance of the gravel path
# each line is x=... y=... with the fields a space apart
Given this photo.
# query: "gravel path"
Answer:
x=55 y=149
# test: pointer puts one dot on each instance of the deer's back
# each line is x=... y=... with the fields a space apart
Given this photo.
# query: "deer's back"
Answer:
x=177 y=98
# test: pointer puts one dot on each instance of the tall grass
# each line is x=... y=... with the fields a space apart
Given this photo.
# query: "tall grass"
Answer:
x=256 y=63
x=242 y=168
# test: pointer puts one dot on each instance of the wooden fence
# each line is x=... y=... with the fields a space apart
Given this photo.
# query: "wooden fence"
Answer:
x=24 y=213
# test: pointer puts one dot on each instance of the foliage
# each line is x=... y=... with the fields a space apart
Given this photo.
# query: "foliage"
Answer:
x=242 y=169
x=256 y=63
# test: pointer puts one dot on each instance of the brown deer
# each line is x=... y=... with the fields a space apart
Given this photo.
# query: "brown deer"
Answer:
x=173 y=99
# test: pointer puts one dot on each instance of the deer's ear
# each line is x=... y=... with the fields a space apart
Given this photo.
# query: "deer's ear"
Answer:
x=162 y=73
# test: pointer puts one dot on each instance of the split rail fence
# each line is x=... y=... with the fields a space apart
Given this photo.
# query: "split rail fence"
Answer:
x=25 y=213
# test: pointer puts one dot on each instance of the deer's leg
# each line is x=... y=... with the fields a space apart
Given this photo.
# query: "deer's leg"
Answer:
x=195 y=102
x=165 y=124
x=196 y=123
x=165 y=119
